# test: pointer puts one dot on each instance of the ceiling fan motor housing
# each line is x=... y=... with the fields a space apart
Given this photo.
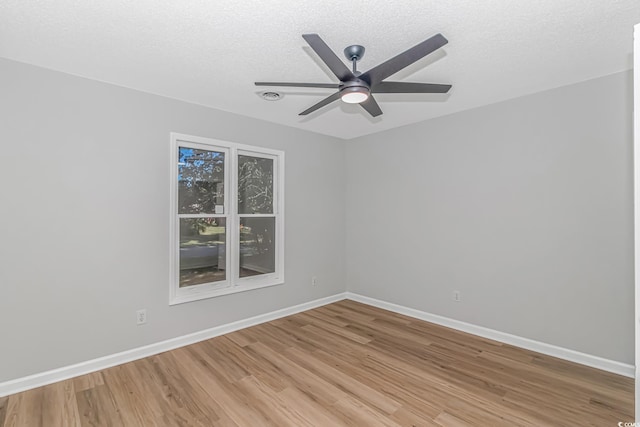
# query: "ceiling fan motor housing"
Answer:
x=354 y=85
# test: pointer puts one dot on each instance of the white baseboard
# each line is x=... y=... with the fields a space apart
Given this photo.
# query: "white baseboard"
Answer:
x=537 y=346
x=37 y=380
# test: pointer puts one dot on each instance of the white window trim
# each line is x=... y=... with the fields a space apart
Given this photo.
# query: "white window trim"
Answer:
x=233 y=283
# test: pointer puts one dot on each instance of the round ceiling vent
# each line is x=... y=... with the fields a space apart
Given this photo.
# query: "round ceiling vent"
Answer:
x=271 y=96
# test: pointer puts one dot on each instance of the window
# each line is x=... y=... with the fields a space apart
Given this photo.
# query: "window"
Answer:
x=227 y=227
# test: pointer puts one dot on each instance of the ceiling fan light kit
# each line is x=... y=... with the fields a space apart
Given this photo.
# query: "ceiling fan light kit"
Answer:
x=355 y=92
x=358 y=88
x=354 y=95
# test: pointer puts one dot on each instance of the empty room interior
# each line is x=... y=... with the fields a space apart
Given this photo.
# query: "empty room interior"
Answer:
x=318 y=213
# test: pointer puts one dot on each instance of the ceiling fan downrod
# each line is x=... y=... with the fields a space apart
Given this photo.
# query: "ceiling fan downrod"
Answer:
x=354 y=53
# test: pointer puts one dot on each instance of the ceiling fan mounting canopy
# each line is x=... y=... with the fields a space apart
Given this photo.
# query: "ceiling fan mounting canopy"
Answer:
x=355 y=52
x=358 y=88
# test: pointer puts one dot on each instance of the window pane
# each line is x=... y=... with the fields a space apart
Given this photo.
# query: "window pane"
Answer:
x=202 y=250
x=255 y=185
x=200 y=181
x=257 y=246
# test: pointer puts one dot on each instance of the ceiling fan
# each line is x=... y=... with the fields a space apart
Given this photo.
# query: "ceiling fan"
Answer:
x=358 y=88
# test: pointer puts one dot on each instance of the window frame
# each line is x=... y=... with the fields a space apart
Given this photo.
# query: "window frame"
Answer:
x=233 y=282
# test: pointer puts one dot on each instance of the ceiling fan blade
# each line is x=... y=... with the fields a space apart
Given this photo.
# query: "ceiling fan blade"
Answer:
x=371 y=106
x=284 y=84
x=406 y=58
x=409 y=87
x=328 y=100
x=328 y=57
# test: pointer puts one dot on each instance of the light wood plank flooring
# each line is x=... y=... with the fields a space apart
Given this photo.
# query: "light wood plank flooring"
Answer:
x=342 y=364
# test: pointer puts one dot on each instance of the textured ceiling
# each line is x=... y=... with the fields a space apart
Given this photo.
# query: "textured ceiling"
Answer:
x=211 y=52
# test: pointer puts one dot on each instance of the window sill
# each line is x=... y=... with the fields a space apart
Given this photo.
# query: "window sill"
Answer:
x=213 y=293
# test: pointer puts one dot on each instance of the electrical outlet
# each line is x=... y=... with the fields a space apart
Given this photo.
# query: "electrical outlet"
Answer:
x=141 y=316
x=314 y=281
x=456 y=296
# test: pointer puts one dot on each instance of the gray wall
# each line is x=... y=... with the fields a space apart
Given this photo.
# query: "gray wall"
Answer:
x=84 y=218
x=524 y=206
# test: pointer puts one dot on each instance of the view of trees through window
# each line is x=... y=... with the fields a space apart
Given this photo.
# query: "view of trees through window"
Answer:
x=202 y=238
x=255 y=185
x=201 y=192
x=257 y=233
x=200 y=181
x=227 y=203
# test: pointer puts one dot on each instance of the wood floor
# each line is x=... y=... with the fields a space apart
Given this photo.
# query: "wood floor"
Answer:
x=342 y=364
